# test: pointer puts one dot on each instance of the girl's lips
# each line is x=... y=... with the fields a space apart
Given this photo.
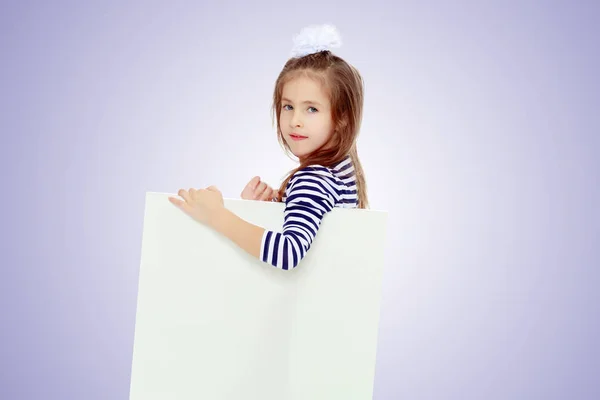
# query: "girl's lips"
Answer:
x=297 y=137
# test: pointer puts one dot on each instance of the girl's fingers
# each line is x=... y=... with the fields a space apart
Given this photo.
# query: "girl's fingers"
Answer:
x=248 y=192
x=181 y=204
x=176 y=201
x=267 y=194
x=259 y=190
x=251 y=186
x=254 y=182
x=185 y=195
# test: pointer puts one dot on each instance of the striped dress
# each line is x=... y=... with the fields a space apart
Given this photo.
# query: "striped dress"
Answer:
x=310 y=194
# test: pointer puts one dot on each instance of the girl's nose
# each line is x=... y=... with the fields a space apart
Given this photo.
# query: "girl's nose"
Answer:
x=296 y=121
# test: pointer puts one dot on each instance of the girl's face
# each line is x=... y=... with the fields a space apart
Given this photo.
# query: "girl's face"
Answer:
x=305 y=116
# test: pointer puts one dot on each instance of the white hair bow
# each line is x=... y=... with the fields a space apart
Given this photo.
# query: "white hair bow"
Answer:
x=314 y=39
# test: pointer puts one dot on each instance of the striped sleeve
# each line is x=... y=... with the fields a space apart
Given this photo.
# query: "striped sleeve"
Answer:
x=309 y=197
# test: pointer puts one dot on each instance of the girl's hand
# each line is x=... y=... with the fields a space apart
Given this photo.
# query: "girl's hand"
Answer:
x=203 y=205
x=257 y=190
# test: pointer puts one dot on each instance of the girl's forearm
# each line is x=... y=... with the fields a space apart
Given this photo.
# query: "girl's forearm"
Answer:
x=246 y=235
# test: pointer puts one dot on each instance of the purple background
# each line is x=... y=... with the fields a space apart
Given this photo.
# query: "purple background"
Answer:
x=481 y=138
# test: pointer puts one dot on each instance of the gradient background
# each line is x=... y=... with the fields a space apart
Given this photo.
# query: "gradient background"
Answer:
x=481 y=138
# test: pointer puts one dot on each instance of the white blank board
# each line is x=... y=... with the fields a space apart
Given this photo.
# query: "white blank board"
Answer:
x=215 y=323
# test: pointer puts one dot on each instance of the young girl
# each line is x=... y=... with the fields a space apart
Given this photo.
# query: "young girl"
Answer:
x=317 y=102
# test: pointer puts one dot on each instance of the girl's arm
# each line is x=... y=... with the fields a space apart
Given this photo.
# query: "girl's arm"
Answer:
x=307 y=202
x=306 y=205
x=246 y=235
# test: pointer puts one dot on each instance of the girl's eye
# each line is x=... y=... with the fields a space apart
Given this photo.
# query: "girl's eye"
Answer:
x=312 y=109
x=285 y=107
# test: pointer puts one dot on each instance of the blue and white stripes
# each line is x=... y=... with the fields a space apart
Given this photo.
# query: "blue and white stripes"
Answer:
x=311 y=193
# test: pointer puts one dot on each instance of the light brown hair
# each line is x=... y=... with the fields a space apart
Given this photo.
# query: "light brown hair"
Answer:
x=345 y=88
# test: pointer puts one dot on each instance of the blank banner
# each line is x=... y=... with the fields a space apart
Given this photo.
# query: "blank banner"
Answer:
x=215 y=323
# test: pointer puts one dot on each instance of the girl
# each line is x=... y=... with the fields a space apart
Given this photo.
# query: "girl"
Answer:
x=317 y=102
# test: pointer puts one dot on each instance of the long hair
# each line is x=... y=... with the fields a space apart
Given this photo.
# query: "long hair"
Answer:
x=345 y=88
